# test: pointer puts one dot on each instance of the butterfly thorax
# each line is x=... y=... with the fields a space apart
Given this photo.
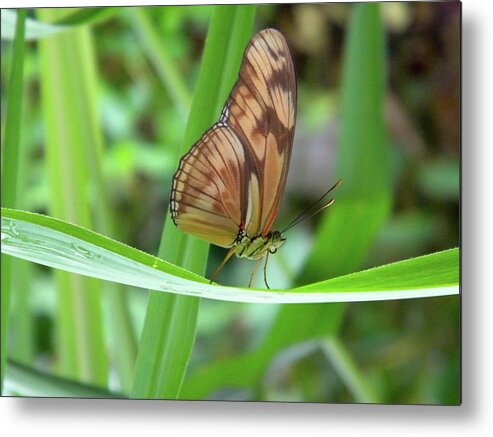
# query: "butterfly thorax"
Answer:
x=256 y=247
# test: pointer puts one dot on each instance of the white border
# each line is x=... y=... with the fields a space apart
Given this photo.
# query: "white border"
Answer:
x=474 y=418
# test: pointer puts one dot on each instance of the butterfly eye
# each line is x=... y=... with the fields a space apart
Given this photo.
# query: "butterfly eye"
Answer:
x=273 y=251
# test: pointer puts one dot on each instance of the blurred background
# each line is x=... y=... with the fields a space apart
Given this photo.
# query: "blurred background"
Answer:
x=409 y=350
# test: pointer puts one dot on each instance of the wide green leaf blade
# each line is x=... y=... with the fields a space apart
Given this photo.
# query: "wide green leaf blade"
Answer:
x=55 y=243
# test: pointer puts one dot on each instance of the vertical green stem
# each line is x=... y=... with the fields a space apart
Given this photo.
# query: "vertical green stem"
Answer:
x=158 y=53
x=347 y=370
x=122 y=335
x=21 y=316
x=363 y=200
x=10 y=163
x=80 y=146
x=169 y=328
x=70 y=133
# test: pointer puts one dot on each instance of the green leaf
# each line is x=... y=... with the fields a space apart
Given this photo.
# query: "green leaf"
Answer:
x=347 y=371
x=363 y=200
x=34 y=29
x=55 y=243
x=10 y=161
x=348 y=229
x=38 y=29
x=79 y=16
x=169 y=328
x=72 y=141
x=24 y=380
x=78 y=130
x=158 y=53
x=244 y=371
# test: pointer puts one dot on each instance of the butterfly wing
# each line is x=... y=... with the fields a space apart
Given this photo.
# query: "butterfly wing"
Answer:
x=262 y=111
x=208 y=188
x=233 y=178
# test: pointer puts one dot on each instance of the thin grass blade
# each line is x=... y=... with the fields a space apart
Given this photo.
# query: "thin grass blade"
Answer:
x=363 y=200
x=169 y=328
x=10 y=163
x=83 y=16
x=158 y=53
x=69 y=130
x=38 y=29
x=25 y=381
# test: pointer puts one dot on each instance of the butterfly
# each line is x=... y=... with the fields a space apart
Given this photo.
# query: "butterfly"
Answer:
x=228 y=187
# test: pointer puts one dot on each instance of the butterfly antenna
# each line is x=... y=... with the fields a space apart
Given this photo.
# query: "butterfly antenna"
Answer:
x=330 y=202
x=305 y=215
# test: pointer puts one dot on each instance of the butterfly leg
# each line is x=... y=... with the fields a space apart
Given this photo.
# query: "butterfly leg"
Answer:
x=257 y=265
x=265 y=270
x=220 y=266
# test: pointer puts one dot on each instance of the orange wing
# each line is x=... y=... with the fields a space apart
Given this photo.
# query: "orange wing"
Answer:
x=233 y=178
x=262 y=111
x=207 y=188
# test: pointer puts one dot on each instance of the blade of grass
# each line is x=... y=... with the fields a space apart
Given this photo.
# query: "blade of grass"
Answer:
x=79 y=16
x=22 y=314
x=69 y=131
x=363 y=200
x=38 y=29
x=54 y=243
x=21 y=323
x=24 y=380
x=158 y=54
x=10 y=163
x=84 y=72
x=33 y=29
x=348 y=371
x=125 y=347
x=169 y=328
x=241 y=372
x=246 y=370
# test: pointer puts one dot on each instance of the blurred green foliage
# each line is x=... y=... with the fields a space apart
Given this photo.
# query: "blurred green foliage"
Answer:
x=407 y=350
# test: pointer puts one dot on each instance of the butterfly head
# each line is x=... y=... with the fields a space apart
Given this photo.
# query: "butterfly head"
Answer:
x=276 y=240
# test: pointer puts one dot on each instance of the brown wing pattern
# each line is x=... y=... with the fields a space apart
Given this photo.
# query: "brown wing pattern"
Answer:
x=207 y=188
x=233 y=178
x=262 y=110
